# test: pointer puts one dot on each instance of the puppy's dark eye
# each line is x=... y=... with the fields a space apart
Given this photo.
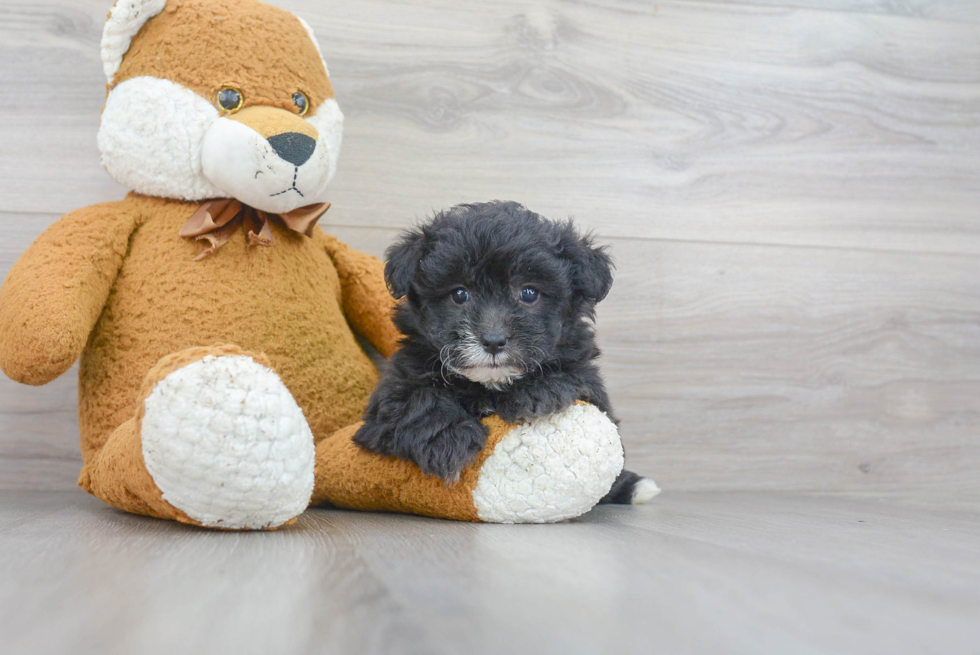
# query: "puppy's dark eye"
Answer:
x=302 y=104
x=460 y=295
x=529 y=295
x=229 y=99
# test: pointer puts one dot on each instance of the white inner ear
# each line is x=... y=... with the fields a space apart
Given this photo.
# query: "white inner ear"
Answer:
x=125 y=20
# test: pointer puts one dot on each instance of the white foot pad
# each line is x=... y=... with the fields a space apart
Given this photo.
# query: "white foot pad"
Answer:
x=551 y=469
x=227 y=444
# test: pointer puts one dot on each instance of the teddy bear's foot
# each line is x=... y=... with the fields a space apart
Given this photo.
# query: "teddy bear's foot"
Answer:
x=548 y=470
x=551 y=469
x=221 y=441
x=226 y=443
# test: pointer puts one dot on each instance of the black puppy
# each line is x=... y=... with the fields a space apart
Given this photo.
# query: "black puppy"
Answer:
x=497 y=320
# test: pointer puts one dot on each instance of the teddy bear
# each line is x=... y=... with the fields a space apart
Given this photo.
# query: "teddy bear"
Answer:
x=220 y=379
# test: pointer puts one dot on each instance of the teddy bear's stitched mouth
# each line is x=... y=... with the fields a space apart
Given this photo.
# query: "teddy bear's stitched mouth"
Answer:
x=292 y=188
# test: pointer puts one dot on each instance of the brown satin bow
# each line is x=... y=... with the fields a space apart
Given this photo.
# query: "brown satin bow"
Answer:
x=216 y=220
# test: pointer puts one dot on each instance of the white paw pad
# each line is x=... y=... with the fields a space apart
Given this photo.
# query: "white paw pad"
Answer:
x=553 y=468
x=226 y=443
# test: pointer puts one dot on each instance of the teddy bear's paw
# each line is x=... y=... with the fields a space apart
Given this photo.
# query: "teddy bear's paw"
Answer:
x=226 y=443
x=550 y=469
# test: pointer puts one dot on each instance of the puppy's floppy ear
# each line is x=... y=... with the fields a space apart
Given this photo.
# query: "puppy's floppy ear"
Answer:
x=402 y=261
x=591 y=264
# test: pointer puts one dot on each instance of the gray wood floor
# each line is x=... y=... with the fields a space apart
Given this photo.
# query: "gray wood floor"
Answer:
x=791 y=190
x=708 y=572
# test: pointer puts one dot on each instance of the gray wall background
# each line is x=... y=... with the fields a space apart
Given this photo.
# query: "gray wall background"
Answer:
x=791 y=190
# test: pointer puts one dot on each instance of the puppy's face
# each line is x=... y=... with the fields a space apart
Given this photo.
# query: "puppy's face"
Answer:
x=493 y=287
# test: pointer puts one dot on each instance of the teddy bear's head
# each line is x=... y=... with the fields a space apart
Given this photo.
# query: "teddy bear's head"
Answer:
x=217 y=98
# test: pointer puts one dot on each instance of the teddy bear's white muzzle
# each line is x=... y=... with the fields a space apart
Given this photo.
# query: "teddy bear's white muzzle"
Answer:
x=197 y=154
x=276 y=175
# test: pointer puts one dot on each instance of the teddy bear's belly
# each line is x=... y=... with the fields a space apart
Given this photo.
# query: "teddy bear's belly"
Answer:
x=282 y=301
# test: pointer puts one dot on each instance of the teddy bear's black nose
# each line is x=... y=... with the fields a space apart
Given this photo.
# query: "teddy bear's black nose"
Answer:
x=294 y=147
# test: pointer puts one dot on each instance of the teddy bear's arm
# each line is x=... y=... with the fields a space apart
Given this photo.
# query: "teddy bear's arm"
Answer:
x=364 y=295
x=54 y=294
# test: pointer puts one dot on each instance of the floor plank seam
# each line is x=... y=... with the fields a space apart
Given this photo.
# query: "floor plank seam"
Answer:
x=825 y=10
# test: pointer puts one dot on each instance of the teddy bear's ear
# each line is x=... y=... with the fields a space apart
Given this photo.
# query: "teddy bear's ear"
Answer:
x=125 y=20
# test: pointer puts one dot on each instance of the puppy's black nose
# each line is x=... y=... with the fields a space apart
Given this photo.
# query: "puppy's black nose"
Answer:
x=294 y=147
x=493 y=342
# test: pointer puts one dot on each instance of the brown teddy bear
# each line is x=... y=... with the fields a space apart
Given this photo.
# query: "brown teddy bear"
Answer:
x=220 y=379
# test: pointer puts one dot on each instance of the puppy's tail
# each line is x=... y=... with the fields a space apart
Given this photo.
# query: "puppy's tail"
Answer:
x=631 y=489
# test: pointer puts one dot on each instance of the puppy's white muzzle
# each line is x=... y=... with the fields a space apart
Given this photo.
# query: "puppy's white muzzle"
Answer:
x=477 y=365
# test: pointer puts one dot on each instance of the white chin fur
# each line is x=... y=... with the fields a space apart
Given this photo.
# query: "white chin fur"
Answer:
x=198 y=155
x=151 y=135
x=491 y=376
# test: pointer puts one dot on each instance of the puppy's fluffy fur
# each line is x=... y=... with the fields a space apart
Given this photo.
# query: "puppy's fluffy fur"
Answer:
x=498 y=319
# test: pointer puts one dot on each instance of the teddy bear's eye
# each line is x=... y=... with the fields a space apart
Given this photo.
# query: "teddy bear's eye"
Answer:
x=229 y=99
x=299 y=99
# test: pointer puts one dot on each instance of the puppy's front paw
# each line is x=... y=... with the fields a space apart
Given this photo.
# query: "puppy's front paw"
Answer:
x=448 y=451
x=536 y=401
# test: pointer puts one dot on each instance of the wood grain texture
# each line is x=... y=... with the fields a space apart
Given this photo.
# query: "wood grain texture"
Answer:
x=790 y=189
x=693 y=573
x=683 y=120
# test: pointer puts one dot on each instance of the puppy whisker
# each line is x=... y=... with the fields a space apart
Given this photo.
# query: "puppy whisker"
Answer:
x=537 y=362
x=445 y=362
